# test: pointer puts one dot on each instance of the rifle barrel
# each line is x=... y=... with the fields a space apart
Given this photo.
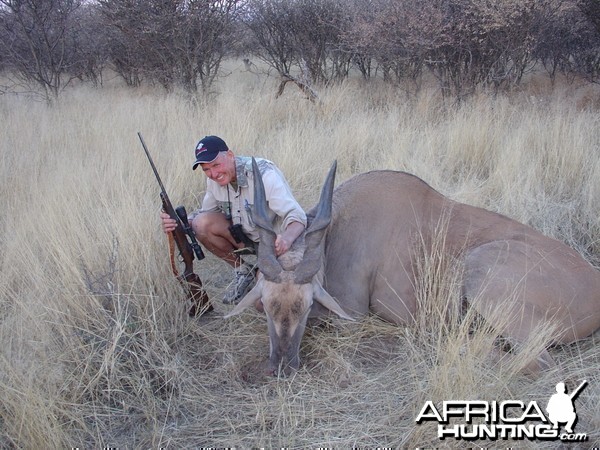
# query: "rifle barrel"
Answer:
x=162 y=187
x=576 y=392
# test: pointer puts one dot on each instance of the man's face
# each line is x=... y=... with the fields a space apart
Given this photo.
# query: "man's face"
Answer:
x=222 y=169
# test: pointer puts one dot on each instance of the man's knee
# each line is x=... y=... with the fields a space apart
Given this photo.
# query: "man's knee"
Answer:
x=208 y=225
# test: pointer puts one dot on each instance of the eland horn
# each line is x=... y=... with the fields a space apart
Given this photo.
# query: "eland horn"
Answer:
x=311 y=262
x=267 y=260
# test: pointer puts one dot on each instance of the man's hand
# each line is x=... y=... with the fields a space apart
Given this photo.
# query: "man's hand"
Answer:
x=282 y=245
x=284 y=241
x=168 y=224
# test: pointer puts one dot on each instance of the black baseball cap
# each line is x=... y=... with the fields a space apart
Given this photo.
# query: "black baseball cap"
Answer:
x=208 y=149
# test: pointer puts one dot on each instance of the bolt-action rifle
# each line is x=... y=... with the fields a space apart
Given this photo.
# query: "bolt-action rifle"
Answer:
x=183 y=236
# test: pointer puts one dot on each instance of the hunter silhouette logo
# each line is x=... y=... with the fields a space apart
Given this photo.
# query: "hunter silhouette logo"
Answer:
x=560 y=406
x=510 y=419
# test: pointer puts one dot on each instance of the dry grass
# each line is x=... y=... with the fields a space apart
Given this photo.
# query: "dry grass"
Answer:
x=96 y=348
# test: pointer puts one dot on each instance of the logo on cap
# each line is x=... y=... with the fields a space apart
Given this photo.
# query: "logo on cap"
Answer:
x=201 y=148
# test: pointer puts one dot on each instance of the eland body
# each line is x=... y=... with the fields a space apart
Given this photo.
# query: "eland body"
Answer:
x=358 y=256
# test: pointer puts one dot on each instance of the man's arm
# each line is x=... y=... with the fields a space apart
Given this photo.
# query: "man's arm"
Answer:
x=281 y=199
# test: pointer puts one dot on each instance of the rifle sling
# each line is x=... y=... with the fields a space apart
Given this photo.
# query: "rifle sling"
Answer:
x=192 y=284
x=172 y=255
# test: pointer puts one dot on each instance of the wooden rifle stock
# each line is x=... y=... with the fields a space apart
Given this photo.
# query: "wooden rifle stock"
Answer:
x=181 y=237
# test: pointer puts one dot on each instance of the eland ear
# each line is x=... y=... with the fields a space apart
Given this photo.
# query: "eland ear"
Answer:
x=249 y=299
x=326 y=300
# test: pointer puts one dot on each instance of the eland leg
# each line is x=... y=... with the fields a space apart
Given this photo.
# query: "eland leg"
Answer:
x=515 y=287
